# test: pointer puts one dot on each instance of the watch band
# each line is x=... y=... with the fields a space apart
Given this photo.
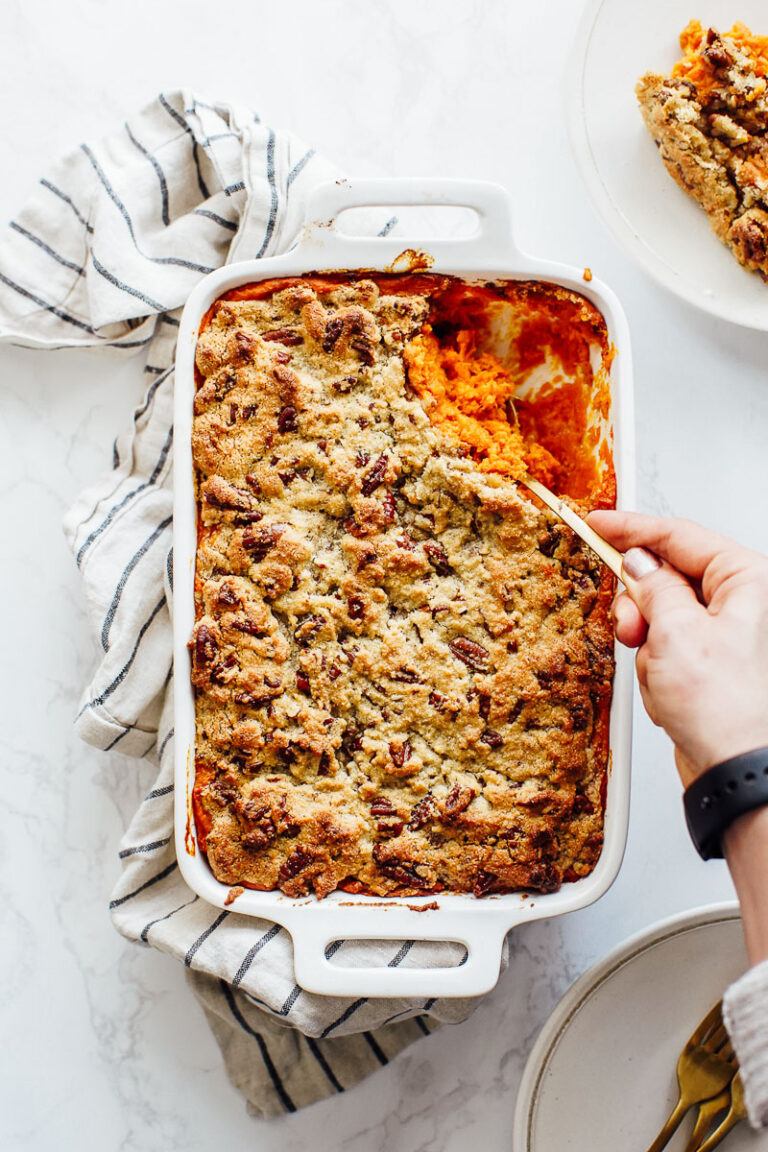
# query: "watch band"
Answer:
x=719 y=795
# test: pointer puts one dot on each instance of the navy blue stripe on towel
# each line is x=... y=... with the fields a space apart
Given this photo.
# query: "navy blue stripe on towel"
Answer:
x=274 y=1075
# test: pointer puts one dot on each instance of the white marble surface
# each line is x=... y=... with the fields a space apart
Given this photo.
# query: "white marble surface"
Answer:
x=103 y=1046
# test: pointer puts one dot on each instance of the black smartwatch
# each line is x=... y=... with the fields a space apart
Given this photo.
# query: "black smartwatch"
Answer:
x=719 y=795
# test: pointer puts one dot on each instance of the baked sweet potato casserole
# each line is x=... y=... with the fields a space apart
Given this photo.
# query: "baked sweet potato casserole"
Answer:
x=402 y=663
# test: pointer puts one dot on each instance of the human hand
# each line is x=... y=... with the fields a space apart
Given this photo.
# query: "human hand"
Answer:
x=702 y=668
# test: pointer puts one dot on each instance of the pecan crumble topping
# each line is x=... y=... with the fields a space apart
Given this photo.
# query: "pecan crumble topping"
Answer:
x=402 y=666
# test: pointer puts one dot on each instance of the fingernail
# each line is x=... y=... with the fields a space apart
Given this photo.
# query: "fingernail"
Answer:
x=639 y=562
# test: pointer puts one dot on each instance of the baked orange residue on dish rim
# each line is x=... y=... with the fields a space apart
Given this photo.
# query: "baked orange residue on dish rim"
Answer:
x=697 y=69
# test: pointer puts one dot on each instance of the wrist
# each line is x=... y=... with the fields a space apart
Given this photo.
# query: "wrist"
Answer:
x=743 y=833
x=695 y=761
x=745 y=843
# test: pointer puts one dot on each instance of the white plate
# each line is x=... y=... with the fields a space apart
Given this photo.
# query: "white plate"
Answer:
x=601 y=1077
x=661 y=227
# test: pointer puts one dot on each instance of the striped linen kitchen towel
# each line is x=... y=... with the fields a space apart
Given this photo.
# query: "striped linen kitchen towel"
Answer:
x=105 y=254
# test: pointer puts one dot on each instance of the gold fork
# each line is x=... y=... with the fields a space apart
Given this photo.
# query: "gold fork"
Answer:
x=708 y=1110
x=706 y=1066
x=734 y=1101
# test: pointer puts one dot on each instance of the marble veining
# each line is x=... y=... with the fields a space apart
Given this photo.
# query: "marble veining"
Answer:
x=104 y=1047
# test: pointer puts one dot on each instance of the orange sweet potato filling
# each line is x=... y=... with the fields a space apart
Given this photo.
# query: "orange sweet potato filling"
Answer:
x=701 y=73
x=471 y=394
x=204 y=774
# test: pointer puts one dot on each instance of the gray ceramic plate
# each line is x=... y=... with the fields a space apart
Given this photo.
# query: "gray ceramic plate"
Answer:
x=601 y=1077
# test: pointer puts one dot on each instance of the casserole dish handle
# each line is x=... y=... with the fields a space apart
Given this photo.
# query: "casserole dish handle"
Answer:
x=325 y=246
x=481 y=934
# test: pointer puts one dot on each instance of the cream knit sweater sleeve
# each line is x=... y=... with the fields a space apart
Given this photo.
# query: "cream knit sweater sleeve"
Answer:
x=745 y=1011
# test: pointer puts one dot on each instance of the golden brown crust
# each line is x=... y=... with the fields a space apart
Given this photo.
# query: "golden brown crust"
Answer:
x=402 y=671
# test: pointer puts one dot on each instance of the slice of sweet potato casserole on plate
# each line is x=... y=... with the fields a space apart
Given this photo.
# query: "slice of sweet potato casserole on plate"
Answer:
x=402 y=663
x=709 y=119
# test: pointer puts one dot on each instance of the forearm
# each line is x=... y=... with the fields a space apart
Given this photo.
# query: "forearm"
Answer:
x=745 y=844
x=745 y=1004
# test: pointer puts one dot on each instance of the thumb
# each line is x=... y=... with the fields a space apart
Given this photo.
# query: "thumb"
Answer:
x=654 y=585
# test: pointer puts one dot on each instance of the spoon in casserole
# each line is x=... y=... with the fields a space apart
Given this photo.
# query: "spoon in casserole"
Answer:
x=610 y=556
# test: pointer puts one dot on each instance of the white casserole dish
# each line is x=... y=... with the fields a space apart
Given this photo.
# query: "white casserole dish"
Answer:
x=480 y=924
